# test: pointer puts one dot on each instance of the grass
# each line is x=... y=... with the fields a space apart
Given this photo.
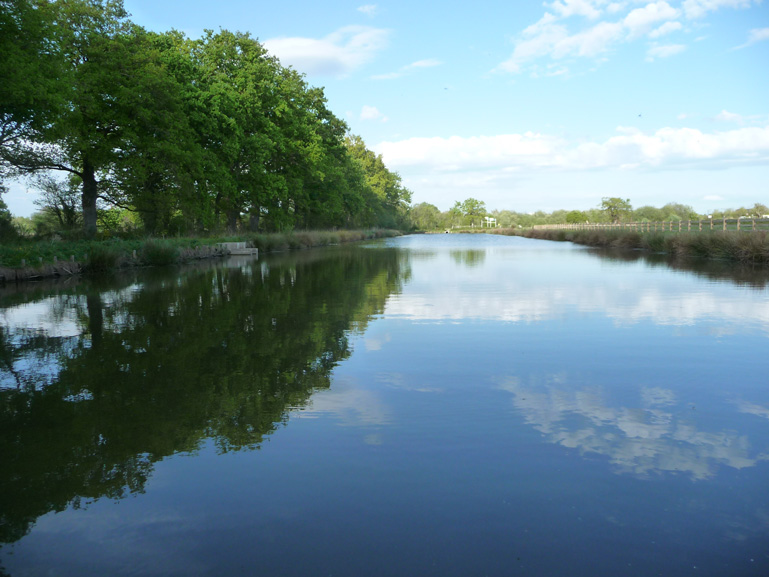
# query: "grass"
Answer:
x=744 y=247
x=104 y=255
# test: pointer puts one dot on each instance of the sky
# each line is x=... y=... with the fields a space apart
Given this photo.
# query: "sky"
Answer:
x=528 y=105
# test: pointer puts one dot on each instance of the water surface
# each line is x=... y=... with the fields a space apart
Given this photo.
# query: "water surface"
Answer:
x=428 y=405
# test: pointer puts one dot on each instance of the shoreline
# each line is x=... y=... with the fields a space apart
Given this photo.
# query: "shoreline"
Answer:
x=751 y=248
x=116 y=254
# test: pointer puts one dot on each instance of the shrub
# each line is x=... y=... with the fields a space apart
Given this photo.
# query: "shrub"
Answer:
x=159 y=253
x=101 y=258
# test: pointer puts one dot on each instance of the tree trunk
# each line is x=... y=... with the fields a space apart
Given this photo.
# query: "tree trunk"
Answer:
x=232 y=220
x=253 y=220
x=90 y=193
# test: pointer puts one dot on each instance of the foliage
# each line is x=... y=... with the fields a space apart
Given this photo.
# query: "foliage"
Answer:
x=157 y=253
x=576 y=216
x=60 y=201
x=191 y=135
x=7 y=230
x=425 y=216
x=616 y=208
x=749 y=248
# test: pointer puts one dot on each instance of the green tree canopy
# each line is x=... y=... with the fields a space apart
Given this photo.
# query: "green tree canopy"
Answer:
x=616 y=208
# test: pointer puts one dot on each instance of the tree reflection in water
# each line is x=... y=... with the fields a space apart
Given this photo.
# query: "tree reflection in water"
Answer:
x=154 y=364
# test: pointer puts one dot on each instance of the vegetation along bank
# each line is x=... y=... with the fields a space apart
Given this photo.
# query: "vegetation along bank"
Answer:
x=34 y=260
x=750 y=247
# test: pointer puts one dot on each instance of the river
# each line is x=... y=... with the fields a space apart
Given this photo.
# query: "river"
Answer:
x=448 y=405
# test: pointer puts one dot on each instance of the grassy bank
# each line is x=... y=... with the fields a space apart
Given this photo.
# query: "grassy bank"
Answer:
x=52 y=257
x=743 y=247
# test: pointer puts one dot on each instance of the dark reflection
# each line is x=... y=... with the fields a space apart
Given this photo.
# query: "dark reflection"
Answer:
x=154 y=363
x=468 y=258
x=742 y=274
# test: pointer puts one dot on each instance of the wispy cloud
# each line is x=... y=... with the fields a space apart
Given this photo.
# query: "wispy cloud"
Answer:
x=427 y=63
x=372 y=113
x=666 y=28
x=699 y=8
x=369 y=10
x=338 y=54
x=754 y=36
x=663 y=51
x=641 y=21
x=572 y=29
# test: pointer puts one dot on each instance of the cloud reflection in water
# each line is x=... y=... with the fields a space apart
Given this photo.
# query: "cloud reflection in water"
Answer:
x=658 y=436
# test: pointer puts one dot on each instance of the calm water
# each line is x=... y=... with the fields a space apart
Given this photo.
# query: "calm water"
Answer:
x=435 y=405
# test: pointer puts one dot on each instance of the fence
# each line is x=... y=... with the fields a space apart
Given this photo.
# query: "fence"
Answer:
x=741 y=224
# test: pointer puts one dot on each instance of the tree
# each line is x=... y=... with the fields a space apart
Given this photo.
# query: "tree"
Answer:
x=677 y=211
x=7 y=230
x=616 y=208
x=576 y=217
x=424 y=216
x=385 y=194
x=473 y=207
x=60 y=201
x=31 y=81
x=760 y=210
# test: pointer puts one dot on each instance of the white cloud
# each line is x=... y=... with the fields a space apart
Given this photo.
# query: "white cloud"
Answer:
x=337 y=54
x=666 y=28
x=699 y=8
x=591 y=42
x=369 y=9
x=566 y=8
x=372 y=113
x=755 y=35
x=641 y=20
x=427 y=63
x=663 y=51
x=559 y=34
x=538 y=40
x=726 y=116
x=667 y=148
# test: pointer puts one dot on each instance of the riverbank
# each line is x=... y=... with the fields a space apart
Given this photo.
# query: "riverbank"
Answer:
x=742 y=247
x=32 y=260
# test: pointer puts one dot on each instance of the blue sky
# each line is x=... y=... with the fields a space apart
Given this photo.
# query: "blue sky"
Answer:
x=531 y=105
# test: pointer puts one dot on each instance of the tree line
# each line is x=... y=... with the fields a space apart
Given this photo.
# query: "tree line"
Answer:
x=473 y=212
x=180 y=134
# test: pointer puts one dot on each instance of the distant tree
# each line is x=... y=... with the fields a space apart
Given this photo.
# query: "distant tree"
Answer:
x=676 y=211
x=473 y=207
x=24 y=226
x=61 y=200
x=576 y=216
x=648 y=214
x=424 y=216
x=616 y=208
x=760 y=210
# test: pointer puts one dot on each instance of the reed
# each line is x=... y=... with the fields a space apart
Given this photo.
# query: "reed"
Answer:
x=102 y=258
x=750 y=247
x=159 y=253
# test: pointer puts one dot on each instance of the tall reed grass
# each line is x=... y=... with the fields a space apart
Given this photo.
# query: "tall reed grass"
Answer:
x=750 y=247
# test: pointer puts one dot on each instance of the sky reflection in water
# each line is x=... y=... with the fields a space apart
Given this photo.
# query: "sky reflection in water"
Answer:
x=496 y=406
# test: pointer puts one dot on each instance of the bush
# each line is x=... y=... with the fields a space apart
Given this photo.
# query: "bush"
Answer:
x=101 y=258
x=159 y=253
